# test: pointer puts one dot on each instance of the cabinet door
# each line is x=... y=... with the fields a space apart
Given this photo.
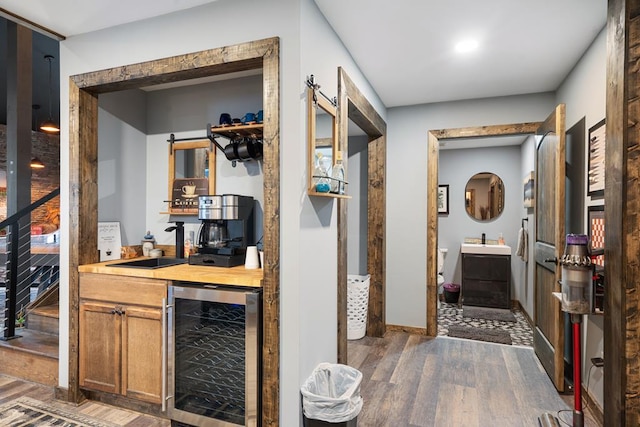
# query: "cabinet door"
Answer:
x=100 y=336
x=142 y=353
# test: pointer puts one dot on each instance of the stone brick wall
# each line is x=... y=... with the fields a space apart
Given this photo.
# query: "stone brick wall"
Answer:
x=47 y=148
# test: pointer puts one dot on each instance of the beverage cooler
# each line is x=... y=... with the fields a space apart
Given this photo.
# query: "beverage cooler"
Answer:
x=213 y=366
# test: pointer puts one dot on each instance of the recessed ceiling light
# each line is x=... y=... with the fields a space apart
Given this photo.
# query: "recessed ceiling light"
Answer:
x=466 y=46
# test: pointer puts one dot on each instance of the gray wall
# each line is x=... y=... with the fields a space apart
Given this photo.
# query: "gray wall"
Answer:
x=357 y=208
x=122 y=174
x=185 y=112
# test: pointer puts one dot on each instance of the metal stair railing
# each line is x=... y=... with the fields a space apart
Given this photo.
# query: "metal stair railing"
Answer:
x=25 y=269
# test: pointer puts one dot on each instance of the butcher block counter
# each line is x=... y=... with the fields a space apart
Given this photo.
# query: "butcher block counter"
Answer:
x=234 y=276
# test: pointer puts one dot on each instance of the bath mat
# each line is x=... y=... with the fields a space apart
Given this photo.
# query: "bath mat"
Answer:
x=480 y=334
x=502 y=315
x=25 y=412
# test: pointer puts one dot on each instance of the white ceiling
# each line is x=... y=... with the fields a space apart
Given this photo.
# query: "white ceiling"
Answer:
x=405 y=48
x=73 y=17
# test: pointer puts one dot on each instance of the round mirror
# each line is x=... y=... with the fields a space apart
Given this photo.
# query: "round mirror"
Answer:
x=484 y=196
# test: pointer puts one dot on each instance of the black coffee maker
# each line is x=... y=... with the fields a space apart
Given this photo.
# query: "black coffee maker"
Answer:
x=226 y=230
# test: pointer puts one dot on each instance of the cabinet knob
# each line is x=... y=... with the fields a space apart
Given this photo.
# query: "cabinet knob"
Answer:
x=113 y=311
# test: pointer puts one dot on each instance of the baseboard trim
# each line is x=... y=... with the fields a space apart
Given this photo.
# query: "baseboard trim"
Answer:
x=516 y=304
x=593 y=406
x=408 y=329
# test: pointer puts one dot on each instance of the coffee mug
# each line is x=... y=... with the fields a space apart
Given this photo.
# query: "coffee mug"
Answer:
x=249 y=117
x=225 y=119
x=189 y=190
x=259 y=116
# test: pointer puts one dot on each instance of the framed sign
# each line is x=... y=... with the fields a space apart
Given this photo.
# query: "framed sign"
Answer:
x=185 y=192
x=597 y=145
x=443 y=199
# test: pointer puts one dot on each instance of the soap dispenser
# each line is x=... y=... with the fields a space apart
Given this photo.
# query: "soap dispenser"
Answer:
x=501 y=239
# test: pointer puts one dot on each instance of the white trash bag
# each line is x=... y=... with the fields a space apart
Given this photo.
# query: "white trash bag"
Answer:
x=332 y=393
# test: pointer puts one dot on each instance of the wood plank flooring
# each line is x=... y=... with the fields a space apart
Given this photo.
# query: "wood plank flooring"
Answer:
x=411 y=380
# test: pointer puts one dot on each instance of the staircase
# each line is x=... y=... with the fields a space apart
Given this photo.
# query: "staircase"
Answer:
x=34 y=355
x=29 y=297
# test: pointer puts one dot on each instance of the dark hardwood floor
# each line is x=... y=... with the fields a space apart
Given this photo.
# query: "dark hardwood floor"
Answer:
x=411 y=380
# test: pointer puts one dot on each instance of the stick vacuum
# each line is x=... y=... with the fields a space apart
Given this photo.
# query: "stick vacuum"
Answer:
x=577 y=292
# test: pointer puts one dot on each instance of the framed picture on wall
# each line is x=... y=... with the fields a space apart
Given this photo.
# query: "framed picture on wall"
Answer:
x=529 y=195
x=597 y=144
x=595 y=216
x=443 y=199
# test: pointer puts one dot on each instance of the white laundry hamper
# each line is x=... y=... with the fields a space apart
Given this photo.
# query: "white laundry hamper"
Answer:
x=357 y=305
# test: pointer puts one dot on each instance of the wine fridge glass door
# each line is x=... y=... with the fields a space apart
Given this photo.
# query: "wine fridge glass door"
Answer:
x=213 y=363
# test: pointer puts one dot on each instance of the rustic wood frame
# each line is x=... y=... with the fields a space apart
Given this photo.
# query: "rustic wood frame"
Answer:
x=433 y=149
x=621 y=329
x=353 y=105
x=188 y=145
x=84 y=90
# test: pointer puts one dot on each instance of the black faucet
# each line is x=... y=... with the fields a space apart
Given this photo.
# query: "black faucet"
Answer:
x=484 y=239
x=179 y=228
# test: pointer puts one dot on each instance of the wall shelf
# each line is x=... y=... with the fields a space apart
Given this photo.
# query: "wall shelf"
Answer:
x=237 y=131
x=331 y=195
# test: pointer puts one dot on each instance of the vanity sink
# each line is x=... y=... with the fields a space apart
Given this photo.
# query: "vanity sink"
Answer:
x=476 y=248
x=150 y=263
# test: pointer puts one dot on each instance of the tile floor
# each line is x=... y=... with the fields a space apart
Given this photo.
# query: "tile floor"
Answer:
x=520 y=331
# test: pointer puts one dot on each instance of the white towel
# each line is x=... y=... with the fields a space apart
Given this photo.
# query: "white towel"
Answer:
x=523 y=245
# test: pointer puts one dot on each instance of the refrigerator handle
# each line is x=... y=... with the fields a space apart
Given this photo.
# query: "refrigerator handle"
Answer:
x=164 y=354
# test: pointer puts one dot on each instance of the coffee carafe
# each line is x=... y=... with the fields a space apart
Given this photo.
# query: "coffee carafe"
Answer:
x=215 y=234
x=226 y=231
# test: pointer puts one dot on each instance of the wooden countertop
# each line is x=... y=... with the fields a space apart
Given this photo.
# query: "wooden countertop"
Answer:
x=238 y=276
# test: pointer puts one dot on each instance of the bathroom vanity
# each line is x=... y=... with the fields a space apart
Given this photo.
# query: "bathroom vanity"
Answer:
x=486 y=275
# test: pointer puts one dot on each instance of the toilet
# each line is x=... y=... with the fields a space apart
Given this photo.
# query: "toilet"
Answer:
x=441 y=252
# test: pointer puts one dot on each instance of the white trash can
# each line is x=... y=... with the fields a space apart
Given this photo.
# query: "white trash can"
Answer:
x=357 y=305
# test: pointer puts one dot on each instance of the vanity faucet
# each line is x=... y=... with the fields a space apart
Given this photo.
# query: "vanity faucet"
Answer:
x=484 y=239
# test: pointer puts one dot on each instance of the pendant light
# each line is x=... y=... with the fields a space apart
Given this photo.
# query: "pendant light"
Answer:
x=36 y=163
x=49 y=125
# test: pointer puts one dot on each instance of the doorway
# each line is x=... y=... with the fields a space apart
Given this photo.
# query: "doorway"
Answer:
x=354 y=107
x=433 y=150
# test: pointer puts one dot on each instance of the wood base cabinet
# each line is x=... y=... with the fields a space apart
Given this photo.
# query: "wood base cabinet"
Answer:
x=121 y=329
x=486 y=280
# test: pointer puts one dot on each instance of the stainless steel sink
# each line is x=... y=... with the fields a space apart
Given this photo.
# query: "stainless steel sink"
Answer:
x=150 y=263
